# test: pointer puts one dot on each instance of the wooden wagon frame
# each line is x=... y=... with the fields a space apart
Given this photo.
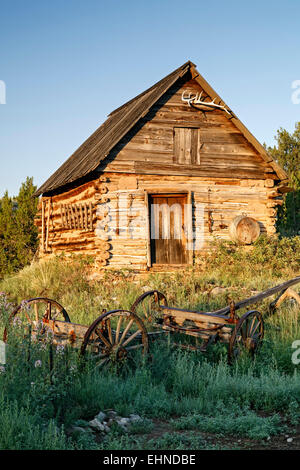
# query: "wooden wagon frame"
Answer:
x=116 y=334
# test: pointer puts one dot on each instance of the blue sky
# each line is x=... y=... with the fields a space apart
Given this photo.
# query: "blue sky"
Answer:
x=68 y=63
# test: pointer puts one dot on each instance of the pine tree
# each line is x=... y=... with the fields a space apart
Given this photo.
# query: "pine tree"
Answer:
x=18 y=234
x=26 y=231
x=8 y=260
x=287 y=154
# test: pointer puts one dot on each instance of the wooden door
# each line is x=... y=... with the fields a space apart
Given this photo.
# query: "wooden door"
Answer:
x=168 y=239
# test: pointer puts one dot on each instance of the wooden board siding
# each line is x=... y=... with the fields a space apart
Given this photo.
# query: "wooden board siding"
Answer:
x=187 y=146
x=223 y=150
x=168 y=238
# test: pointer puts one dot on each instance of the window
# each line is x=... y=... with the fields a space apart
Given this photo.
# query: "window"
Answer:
x=187 y=146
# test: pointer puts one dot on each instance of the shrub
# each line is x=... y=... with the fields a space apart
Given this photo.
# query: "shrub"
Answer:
x=18 y=234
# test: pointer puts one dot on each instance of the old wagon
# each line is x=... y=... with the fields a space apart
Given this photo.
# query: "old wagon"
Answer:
x=117 y=334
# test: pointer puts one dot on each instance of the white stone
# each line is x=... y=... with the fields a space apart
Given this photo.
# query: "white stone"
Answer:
x=218 y=290
x=95 y=424
x=290 y=439
x=111 y=414
x=134 y=418
x=100 y=416
x=124 y=421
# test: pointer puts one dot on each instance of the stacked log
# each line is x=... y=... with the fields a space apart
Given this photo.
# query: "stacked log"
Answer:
x=66 y=222
x=102 y=245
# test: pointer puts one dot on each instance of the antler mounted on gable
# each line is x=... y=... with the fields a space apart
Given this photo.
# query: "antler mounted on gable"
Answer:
x=193 y=100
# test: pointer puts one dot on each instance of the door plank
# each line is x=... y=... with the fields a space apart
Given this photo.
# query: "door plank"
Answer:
x=168 y=240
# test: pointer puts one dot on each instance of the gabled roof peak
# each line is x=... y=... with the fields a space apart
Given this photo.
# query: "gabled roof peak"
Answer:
x=89 y=155
x=184 y=66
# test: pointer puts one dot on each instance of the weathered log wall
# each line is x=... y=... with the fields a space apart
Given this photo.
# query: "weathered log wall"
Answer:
x=74 y=233
x=215 y=203
x=108 y=217
x=119 y=237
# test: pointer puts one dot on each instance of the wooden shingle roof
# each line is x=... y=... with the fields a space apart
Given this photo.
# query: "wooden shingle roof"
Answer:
x=88 y=156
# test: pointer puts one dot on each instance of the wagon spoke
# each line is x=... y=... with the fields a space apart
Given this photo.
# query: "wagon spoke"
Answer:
x=102 y=363
x=245 y=330
x=253 y=322
x=109 y=330
x=102 y=337
x=118 y=329
x=147 y=306
x=28 y=317
x=49 y=310
x=126 y=331
x=130 y=335
x=146 y=310
x=131 y=338
x=36 y=312
x=96 y=357
x=32 y=312
x=136 y=346
x=254 y=329
x=55 y=314
x=247 y=335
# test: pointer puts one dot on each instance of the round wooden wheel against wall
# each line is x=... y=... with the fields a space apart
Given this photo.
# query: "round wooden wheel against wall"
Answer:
x=147 y=306
x=114 y=337
x=244 y=230
x=36 y=311
x=247 y=335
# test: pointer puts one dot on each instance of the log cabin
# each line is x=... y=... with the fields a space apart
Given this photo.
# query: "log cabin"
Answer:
x=166 y=173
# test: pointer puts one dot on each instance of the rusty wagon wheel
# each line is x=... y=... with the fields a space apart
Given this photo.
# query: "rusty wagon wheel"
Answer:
x=247 y=335
x=114 y=337
x=147 y=306
x=36 y=311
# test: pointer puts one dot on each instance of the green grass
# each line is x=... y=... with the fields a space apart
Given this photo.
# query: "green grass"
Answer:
x=195 y=394
x=21 y=429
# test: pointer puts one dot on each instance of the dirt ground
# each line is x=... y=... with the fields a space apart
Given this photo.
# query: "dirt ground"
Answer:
x=278 y=442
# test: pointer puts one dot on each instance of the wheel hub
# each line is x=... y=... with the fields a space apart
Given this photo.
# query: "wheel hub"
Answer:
x=117 y=352
x=250 y=344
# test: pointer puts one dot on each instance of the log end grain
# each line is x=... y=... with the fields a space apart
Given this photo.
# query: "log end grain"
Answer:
x=244 y=230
